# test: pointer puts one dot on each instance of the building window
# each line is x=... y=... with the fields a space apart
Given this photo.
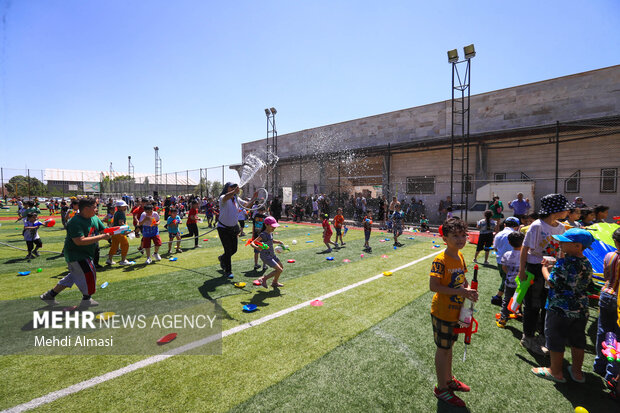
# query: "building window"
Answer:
x=499 y=177
x=609 y=180
x=467 y=187
x=571 y=185
x=420 y=184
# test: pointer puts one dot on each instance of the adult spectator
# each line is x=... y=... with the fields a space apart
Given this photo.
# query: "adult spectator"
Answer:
x=381 y=216
x=275 y=209
x=443 y=208
x=227 y=224
x=497 y=208
x=520 y=206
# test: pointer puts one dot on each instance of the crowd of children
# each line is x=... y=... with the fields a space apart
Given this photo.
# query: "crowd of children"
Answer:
x=549 y=248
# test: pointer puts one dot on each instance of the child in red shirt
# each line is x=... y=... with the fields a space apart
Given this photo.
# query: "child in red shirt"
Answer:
x=192 y=223
x=327 y=234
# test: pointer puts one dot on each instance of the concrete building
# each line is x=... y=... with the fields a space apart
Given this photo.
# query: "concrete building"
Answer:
x=515 y=134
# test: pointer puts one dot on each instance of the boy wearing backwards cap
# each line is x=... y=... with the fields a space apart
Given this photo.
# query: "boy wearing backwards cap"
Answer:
x=501 y=246
x=567 y=305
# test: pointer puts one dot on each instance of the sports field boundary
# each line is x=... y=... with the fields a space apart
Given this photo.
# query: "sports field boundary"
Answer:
x=75 y=388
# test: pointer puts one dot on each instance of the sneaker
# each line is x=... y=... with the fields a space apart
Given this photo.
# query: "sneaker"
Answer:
x=178 y=250
x=197 y=246
x=501 y=323
x=449 y=397
x=336 y=245
x=457 y=385
x=328 y=250
x=257 y=266
x=36 y=253
x=109 y=261
x=531 y=344
x=157 y=257
x=265 y=268
x=124 y=262
x=486 y=263
x=49 y=300
x=344 y=243
x=29 y=257
x=475 y=260
x=88 y=303
x=496 y=300
x=230 y=276
x=148 y=261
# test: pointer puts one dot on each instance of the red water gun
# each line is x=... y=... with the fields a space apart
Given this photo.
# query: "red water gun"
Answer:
x=258 y=244
x=617 y=219
x=467 y=316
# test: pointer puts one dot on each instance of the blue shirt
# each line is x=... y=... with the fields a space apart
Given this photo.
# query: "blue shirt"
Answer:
x=173 y=225
x=569 y=280
x=501 y=244
x=520 y=207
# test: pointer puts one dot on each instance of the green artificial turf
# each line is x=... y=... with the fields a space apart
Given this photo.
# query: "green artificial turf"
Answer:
x=367 y=349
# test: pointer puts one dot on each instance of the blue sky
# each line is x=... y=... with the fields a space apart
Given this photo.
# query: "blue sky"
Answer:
x=85 y=82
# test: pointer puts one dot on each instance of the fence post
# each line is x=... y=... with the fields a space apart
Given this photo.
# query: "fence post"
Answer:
x=2 y=180
x=557 y=153
x=29 y=184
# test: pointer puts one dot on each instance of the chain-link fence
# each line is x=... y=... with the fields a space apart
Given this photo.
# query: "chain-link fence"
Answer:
x=57 y=183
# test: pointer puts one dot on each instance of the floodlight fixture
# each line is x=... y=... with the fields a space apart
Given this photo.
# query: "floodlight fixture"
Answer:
x=273 y=111
x=469 y=51
x=453 y=56
x=267 y=112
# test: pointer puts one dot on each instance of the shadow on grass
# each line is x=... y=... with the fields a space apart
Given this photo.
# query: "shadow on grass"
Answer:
x=211 y=285
x=443 y=407
x=260 y=297
x=16 y=260
x=253 y=273
x=55 y=257
x=61 y=275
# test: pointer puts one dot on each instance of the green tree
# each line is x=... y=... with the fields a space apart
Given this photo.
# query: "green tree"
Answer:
x=216 y=188
x=19 y=186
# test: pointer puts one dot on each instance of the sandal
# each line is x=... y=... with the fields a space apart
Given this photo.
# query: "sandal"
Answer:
x=276 y=285
x=570 y=372
x=545 y=373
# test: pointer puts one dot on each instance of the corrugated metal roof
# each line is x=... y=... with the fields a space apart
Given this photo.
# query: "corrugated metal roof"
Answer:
x=70 y=175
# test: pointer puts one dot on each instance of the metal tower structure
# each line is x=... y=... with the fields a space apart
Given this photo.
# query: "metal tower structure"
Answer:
x=459 y=136
x=272 y=149
x=157 y=169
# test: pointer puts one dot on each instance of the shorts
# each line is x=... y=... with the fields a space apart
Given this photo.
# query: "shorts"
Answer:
x=173 y=235
x=443 y=332
x=146 y=241
x=366 y=235
x=83 y=274
x=560 y=330
x=485 y=241
x=338 y=232
x=328 y=237
x=397 y=229
x=271 y=261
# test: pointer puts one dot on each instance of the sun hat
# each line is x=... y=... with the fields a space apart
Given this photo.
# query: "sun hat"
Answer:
x=121 y=203
x=552 y=203
x=271 y=221
x=576 y=235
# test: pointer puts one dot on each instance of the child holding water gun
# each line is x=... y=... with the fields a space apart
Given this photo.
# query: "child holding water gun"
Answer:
x=173 y=222
x=119 y=219
x=567 y=305
x=257 y=228
x=268 y=256
x=149 y=222
x=510 y=264
x=608 y=316
x=447 y=280
x=338 y=223
x=31 y=235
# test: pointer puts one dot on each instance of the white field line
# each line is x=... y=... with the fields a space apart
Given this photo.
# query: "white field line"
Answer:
x=55 y=395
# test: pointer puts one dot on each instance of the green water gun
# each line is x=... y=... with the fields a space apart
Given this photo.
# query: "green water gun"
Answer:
x=519 y=295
